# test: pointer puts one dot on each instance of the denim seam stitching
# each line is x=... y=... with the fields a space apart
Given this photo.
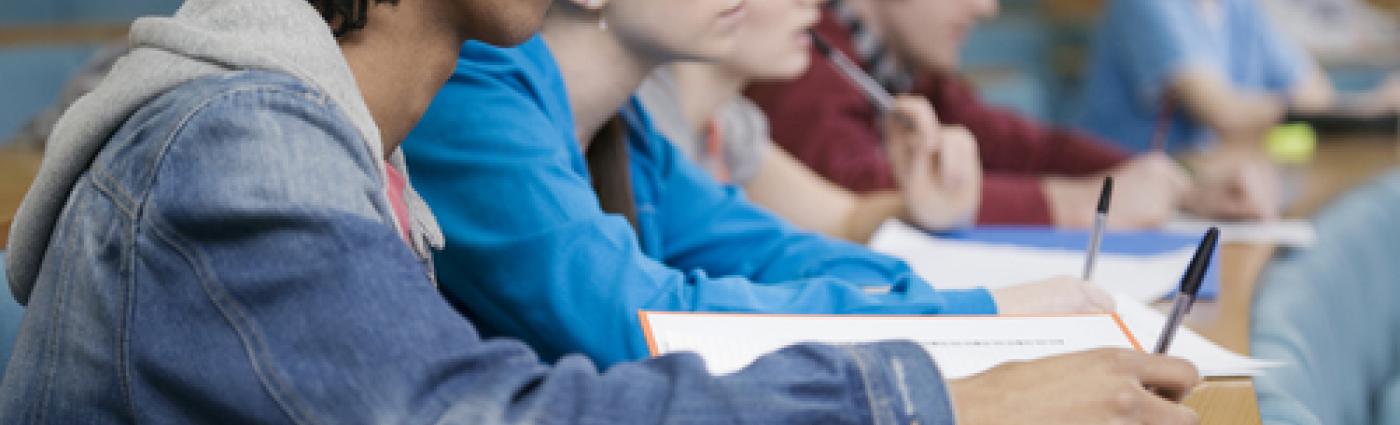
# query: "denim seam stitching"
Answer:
x=233 y=314
x=112 y=193
x=122 y=365
x=159 y=157
x=128 y=313
x=871 y=399
x=56 y=329
x=100 y=169
x=231 y=310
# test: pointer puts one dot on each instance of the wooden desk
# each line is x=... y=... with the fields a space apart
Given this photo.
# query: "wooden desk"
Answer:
x=1340 y=165
x=17 y=170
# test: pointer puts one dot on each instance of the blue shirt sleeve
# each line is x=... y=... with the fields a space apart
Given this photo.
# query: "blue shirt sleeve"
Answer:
x=1284 y=62
x=1158 y=39
x=529 y=252
x=739 y=238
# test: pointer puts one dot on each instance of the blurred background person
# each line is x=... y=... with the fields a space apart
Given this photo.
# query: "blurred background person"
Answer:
x=700 y=109
x=1035 y=173
x=1200 y=72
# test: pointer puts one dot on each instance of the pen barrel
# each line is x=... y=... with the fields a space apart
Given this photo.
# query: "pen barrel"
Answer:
x=1178 y=314
x=1095 y=240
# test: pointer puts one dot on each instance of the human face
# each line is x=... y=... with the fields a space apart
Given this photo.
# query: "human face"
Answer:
x=930 y=33
x=674 y=30
x=498 y=22
x=773 y=42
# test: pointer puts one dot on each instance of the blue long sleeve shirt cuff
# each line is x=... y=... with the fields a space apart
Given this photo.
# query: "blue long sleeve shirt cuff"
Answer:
x=969 y=301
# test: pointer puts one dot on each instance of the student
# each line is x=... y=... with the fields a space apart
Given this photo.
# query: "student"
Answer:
x=698 y=107
x=1202 y=71
x=1034 y=174
x=563 y=221
x=530 y=250
x=217 y=238
x=1339 y=342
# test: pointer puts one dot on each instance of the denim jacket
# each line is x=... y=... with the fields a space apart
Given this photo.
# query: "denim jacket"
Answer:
x=228 y=257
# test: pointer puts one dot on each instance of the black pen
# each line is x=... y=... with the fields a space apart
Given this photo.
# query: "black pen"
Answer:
x=848 y=68
x=1100 y=220
x=1190 y=285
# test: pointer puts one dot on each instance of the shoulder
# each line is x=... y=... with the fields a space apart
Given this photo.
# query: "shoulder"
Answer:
x=515 y=94
x=527 y=70
x=257 y=137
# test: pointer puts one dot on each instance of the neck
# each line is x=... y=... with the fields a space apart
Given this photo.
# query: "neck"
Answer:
x=397 y=81
x=704 y=89
x=599 y=72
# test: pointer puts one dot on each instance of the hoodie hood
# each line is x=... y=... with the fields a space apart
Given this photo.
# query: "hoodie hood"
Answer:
x=204 y=37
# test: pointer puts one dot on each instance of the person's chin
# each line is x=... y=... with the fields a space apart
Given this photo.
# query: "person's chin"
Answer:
x=508 y=35
x=787 y=72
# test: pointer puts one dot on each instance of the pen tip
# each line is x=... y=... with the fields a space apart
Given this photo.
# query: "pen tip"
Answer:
x=819 y=42
x=1196 y=271
x=1105 y=195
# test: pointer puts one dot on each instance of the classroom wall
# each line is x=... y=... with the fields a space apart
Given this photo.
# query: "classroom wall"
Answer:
x=32 y=73
x=1028 y=59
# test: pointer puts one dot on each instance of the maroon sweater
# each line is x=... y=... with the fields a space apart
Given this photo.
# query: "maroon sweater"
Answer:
x=827 y=123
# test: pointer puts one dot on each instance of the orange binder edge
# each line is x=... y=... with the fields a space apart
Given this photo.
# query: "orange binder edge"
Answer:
x=1124 y=327
x=646 y=331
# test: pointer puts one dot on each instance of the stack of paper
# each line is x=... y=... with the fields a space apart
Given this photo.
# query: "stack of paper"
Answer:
x=1212 y=359
x=950 y=264
x=961 y=345
x=1294 y=233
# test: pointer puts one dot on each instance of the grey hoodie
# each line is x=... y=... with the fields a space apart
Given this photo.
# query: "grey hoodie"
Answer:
x=204 y=37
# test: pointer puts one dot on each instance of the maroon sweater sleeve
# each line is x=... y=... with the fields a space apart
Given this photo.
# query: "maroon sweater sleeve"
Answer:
x=1016 y=152
x=827 y=123
x=1011 y=143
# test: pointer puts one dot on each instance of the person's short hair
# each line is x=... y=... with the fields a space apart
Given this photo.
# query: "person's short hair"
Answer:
x=345 y=16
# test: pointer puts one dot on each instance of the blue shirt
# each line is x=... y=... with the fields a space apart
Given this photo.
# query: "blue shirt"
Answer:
x=531 y=255
x=1143 y=45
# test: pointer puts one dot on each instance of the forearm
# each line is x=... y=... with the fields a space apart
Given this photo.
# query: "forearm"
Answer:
x=796 y=193
x=1237 y=117
x=871 y=210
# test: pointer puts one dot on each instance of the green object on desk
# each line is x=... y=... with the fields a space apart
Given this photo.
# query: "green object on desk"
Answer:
x=1293 y=143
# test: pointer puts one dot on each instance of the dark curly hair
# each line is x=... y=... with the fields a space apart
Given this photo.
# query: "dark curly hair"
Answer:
x=345 y=16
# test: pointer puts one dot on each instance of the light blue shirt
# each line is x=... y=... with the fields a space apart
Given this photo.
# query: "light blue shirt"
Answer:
x=530 y=254
x=1142 y=45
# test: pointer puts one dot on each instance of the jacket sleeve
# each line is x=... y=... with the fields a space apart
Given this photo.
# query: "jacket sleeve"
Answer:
x=1011 y=143
x=309 y=308
x=531 y=255
x=742 y=239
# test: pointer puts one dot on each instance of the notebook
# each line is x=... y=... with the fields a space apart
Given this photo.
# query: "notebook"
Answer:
x=961 y=345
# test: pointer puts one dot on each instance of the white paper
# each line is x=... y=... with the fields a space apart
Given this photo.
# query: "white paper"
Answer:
x=1293 y=233
x=954 y=264
x=961 y=345
x=1212 y=359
